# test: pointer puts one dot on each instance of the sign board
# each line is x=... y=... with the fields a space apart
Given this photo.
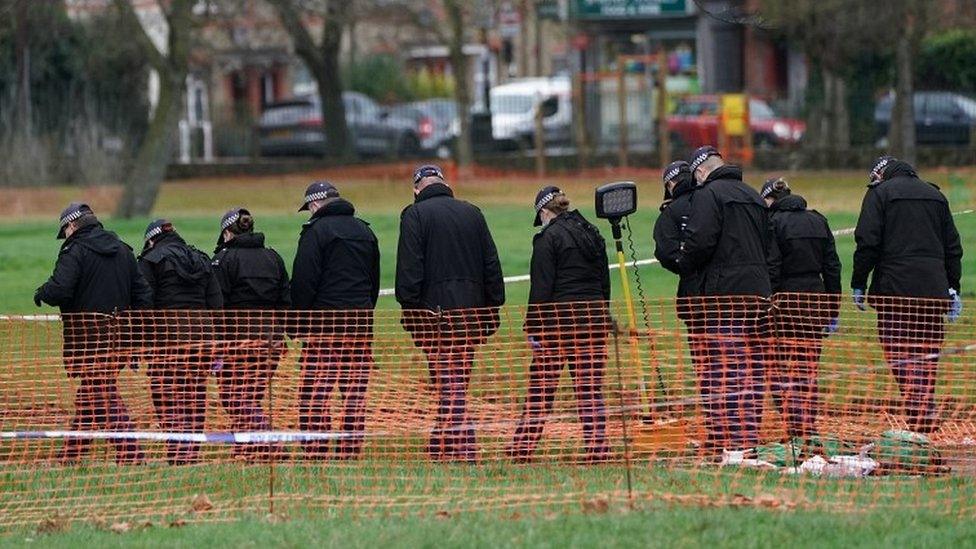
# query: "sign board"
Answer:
x=735 y=114
x=548 y=9
x=509 y=21
x=616 y=9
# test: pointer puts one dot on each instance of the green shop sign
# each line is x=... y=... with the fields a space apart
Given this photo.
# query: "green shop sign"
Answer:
x=615 y=9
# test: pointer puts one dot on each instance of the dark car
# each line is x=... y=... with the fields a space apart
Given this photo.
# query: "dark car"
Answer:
x=294 y=128
x=438 y=125
x=941 y=118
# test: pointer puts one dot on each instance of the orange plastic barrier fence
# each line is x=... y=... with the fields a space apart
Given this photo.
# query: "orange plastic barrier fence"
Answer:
x=216 y=415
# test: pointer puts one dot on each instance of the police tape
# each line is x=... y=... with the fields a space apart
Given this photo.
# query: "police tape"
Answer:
x=271 y=437
x=507 y=279
x=259 y=437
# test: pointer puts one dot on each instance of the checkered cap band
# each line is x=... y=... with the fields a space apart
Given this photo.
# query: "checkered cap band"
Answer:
x=702 y=157
x=772 y=186
x=672 y=173
x=73 y=216
x=321 y=195
x=154 y=232
x=881 y=164
x=546 y=198
x=230 y=220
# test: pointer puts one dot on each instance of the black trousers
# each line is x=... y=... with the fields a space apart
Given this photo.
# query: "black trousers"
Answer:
x=586 y=358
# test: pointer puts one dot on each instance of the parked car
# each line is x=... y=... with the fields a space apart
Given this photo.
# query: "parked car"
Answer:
x=941 y=118
x=514 y=104
x=437 y=123
x=695 y=119
x=294 y=128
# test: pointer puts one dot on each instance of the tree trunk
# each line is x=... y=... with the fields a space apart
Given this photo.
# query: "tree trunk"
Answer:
x=22 y=110
x=146 y=174
x=329 y=81
x=901 y=132
x=141 y=185
x=462 y=92
x=841 y=124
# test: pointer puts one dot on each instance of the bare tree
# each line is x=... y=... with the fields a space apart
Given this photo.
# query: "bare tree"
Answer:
x=910 y=19
x=144 y=177
x=322 y=59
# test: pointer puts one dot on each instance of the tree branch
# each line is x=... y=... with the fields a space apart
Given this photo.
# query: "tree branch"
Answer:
x=129 y=17
x=291 y=20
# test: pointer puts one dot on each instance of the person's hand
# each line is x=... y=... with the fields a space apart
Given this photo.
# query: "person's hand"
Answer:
x=535 y=344
x=833 y=326
x=859 y=299
x=955 y=310
x=37 y=297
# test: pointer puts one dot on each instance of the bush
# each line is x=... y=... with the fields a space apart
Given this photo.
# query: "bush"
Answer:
x=381 y=77
x=946 y=61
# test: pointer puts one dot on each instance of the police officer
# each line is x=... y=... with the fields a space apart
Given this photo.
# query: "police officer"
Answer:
x=449 y=284
x=337 y=273
x=254 y=282
x=907 y=240
x=567 y=323
x=183 y=281
x=728 y=241
x=679 y=188
x=95 y=275
x=806 y=303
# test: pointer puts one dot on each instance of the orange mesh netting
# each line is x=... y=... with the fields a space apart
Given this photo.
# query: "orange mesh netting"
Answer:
x=196 y=415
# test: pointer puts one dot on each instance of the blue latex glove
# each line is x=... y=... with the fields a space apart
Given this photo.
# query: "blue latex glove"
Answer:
x=535 y=344
x=859 y=299
x=956 y=308
x=833 y=326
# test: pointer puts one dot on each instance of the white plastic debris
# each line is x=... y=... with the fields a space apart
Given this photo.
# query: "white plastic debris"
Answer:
x=736 y=458
x=849 y=466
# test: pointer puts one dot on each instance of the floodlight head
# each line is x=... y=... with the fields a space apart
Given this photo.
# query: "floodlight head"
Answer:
x=616 y=200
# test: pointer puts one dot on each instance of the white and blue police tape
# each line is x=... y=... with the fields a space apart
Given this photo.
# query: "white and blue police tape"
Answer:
x=262 y=437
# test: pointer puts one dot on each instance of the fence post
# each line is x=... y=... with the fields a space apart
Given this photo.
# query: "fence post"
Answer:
x=622 y=153
x=540 y=143
x=663 y=134
x=271 y=461
x=579 y=120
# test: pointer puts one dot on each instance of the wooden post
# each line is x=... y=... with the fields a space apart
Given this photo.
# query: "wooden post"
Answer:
x=663 y=134
x=540 y=143
x=622 y=152
x=579 y=120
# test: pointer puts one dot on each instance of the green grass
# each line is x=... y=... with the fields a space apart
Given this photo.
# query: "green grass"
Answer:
x=649 y=527
x=838 y=513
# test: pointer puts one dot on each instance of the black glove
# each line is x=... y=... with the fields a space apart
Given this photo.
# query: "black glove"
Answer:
x=37 y=297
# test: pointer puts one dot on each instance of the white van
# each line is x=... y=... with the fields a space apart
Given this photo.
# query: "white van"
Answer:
x=514 y=104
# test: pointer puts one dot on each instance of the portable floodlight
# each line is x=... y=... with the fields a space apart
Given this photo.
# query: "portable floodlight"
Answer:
x=615 y=201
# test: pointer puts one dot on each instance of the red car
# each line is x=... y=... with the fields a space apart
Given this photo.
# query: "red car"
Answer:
x=694 y=123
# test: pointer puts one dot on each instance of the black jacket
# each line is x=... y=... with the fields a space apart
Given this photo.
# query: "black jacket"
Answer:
x=337 y=265
x=180 y=275
x=446 y=257
x=906 y=236
x=250 y=275
x=95 y=272
x=669 y=233
x=809 y=255
x=728 y=238
x=569 y=264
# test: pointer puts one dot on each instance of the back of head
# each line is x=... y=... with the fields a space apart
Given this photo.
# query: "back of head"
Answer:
x=775 y=188
x=704 y=161
x=426 y=175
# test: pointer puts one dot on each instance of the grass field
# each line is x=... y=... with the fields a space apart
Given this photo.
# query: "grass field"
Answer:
x=28 y=249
